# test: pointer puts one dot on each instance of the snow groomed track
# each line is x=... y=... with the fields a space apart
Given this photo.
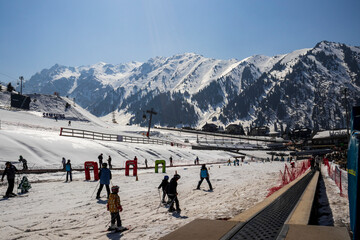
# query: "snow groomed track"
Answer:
x=268 y=223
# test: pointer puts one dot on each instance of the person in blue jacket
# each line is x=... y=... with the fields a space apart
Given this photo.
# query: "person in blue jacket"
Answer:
x=68 y=170
x=204 y=174
x=105 y=176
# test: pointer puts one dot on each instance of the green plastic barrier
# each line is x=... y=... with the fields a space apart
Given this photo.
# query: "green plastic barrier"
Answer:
x=157 y=162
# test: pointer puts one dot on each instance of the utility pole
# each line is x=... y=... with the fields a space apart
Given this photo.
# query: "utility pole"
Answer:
x=347 y=115
x=151 y=112
x=21 y=80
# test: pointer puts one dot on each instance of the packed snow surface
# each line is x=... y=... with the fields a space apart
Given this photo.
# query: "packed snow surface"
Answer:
x=55 y=209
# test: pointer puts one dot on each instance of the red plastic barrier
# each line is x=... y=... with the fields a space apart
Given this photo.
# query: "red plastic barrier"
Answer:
x=127 y=167
x=290 y=174
x=91 y=165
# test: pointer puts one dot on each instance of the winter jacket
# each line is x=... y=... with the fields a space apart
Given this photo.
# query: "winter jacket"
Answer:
x=68 y=167
x=9 y=172
x=105 y=176
x=204 y=173
x=171 y=189
x=114 y=204
x=163 y=184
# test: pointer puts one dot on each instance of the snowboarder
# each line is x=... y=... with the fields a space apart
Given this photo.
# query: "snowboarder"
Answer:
x=172 y=194
x=114 y=207
x=100 y=157
x=105 y=176
x=171 y=163
x=204 y=174
x=63 y=161
x=68 y=170
x=164 y=183
x=109 y=162
x=9 y=171
x=24 y=185
x=24 y=162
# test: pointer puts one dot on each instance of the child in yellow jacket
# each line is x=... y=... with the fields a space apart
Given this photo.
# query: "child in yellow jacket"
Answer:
x=114 y=206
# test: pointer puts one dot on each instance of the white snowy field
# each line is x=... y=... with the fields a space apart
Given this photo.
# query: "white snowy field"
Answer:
x=59 y=210
x=54 y=209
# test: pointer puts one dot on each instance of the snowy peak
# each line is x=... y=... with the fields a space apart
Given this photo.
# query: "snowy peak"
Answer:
x=190 y=89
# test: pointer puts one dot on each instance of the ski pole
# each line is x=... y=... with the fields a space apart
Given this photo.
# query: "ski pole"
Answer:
x=95 y=189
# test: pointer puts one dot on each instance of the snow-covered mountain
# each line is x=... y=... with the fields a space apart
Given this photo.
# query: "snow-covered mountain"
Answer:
x=301 y=88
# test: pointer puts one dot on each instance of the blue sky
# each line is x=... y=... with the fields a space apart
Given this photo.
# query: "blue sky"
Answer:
x=36 y=34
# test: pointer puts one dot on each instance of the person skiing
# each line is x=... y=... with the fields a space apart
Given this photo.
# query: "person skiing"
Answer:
x=172 y=194
x=63 y=161
x=229 y=162
x=10 y=171
x=24 y=162
x=68 y=170
x=204 y=174
x=105 y=176
x=100 y=157
x=114 y=207
x=146 y=166
x=109 y=162
x=197 y=160
x=164 y=183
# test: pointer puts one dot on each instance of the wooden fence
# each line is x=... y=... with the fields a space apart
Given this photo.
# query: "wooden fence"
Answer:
x=79 y=133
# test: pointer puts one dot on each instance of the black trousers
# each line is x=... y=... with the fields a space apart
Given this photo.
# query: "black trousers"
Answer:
x=115 y=217
x=173 y=198
x=100 y=189
x=208 y=181
x=68 y=173
x=11 y=183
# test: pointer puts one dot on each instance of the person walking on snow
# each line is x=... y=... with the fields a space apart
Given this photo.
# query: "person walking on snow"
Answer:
x=105 y=176
x=172 y=194
x=163 y=185
x=63 y=161
x=114 y=207
x=204 y=174
x=9 y=171
x=24 y=162
x=109 y=162
x=100 y=157
x=68 y=170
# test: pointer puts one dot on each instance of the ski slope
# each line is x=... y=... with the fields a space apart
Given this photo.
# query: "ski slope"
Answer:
x=54 y=209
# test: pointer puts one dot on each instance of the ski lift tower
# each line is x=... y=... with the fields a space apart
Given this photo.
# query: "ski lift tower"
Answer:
x=151 y=112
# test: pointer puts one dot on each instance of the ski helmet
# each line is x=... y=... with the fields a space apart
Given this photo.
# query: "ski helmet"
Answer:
x=115 y=189
x=177 y=176
x=166 y=177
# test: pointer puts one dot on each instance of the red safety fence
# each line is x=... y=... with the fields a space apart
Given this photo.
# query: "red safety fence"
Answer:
x=290 y=173
x=338 y=175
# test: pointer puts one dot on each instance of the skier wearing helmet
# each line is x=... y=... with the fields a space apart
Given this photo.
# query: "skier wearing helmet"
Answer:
x=105 y=176
x=163 y=185
x=172 y=194
x=114 y=207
